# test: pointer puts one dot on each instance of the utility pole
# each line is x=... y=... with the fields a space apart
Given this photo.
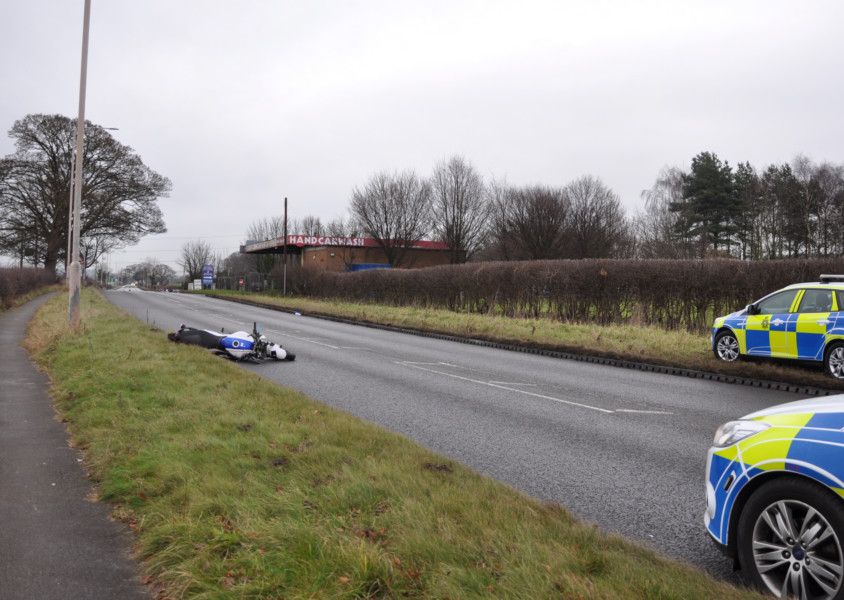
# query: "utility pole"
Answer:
x=75 y=269
x=284 y=253
x=69 y=254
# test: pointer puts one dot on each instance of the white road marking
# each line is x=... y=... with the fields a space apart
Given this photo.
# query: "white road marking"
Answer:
x=422 y=366
x=504 y=387
x=303 y=339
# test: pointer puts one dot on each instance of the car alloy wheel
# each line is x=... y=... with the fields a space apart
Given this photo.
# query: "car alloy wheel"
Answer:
x=727 y=347
x=796 y=552
x=835 y=362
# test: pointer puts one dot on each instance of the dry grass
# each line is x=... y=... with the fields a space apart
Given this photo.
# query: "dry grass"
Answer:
x=238 y=488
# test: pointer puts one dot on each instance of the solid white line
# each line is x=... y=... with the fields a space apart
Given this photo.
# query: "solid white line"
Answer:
x=504 y=387
x=512 y=383
x=644 y=412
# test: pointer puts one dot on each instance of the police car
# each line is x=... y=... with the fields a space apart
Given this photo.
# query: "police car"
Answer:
x=803 y=321
x=775 y=497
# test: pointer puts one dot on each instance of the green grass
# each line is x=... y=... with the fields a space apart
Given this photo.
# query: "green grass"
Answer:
x=677 y=348
x=238 y=488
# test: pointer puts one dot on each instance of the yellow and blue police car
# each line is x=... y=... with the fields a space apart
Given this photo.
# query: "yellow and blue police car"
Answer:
x=804 y=321
x=775 y=497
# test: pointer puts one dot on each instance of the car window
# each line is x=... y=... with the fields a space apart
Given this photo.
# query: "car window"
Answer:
x=816 y=301
x=778 y=303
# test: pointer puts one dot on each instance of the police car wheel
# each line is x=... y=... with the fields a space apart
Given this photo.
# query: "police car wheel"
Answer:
x=834 y=360
x=789 y=542
x=727 y=346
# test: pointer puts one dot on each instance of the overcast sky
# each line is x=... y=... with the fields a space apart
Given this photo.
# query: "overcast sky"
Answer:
x=242 y=103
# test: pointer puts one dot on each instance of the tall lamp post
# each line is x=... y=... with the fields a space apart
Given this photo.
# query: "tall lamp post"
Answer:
x=74 y=275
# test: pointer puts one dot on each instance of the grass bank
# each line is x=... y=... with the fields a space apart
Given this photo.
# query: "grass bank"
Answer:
x=236 y=487
x=675 y=348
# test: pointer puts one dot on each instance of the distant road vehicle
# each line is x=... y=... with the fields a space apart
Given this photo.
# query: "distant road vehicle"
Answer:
x=804 y=321
x=775 y=497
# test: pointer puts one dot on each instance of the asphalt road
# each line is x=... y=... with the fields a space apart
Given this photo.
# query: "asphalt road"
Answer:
x=620 y=448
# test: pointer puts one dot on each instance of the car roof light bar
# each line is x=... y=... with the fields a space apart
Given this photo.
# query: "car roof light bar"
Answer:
x=831 y=278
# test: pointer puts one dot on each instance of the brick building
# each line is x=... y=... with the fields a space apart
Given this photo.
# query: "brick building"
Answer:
x=349 y=253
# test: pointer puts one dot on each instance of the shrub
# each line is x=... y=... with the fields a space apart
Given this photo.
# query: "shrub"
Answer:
x=17 y=282
x=669 y=293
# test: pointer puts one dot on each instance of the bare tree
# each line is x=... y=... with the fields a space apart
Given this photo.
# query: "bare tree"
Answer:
x=119 y=192
x=149 y=273
x=308 y=225
x=195 y=255
x=655 y=227
x=394 y=210
x=264 y=229
x=268 y=228
x=598 y=224
x=341 y=227
x=532 y=222
x=829 y=180
x=459 y=207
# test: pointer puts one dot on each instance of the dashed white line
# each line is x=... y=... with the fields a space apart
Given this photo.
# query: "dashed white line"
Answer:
x=504 y=387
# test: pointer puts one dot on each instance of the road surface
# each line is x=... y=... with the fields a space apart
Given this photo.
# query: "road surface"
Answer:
x=623 y=449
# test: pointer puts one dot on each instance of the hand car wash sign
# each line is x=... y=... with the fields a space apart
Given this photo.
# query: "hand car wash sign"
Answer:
x=207 y=275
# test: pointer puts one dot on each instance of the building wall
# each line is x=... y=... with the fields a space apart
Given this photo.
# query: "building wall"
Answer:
x=336 y=258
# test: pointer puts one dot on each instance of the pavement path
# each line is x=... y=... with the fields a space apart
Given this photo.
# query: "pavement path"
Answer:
x=621 y=448
x=54 y=543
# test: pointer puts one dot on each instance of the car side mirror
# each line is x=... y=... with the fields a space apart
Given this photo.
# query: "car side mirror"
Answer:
x=751 y=309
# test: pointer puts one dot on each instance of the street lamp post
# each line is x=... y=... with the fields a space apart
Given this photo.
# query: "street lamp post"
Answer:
x=74 y=275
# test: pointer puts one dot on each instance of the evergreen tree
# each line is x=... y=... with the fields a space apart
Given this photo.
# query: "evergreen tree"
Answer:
x=709 y=210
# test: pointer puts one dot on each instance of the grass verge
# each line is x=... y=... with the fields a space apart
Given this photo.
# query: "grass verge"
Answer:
x=238 y=488
x=631 y=342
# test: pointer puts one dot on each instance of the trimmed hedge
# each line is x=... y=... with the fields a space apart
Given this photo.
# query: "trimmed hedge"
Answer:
x=17 y=282
x=667 y=293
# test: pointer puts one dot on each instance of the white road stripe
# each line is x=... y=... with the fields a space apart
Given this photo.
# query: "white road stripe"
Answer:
x=506 y=388
x=296 y=337
x=645 y=412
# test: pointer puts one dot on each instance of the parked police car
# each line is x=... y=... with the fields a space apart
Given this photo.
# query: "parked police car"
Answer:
x=775 y=497
x=803 y=321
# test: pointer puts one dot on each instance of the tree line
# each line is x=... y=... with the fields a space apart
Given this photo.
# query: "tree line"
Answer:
x=786 y=210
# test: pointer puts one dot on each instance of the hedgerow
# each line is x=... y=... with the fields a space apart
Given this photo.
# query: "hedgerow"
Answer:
x=675 y=294
x=17 y=282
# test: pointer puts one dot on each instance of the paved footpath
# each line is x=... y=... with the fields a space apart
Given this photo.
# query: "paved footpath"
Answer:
x=54 y=544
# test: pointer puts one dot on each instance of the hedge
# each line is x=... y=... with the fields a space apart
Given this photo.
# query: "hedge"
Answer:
x=667 y=293
x=17 y=282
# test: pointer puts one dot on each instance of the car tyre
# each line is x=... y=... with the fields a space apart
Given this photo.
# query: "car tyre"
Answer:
x=726 y=346
x=833 y=360
x=789 y=539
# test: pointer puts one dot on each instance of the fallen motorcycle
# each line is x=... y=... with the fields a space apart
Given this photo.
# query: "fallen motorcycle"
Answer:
x=239 y=345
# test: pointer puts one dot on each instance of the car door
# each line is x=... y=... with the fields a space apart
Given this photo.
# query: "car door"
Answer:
x=758 y=337
x=813 y=320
